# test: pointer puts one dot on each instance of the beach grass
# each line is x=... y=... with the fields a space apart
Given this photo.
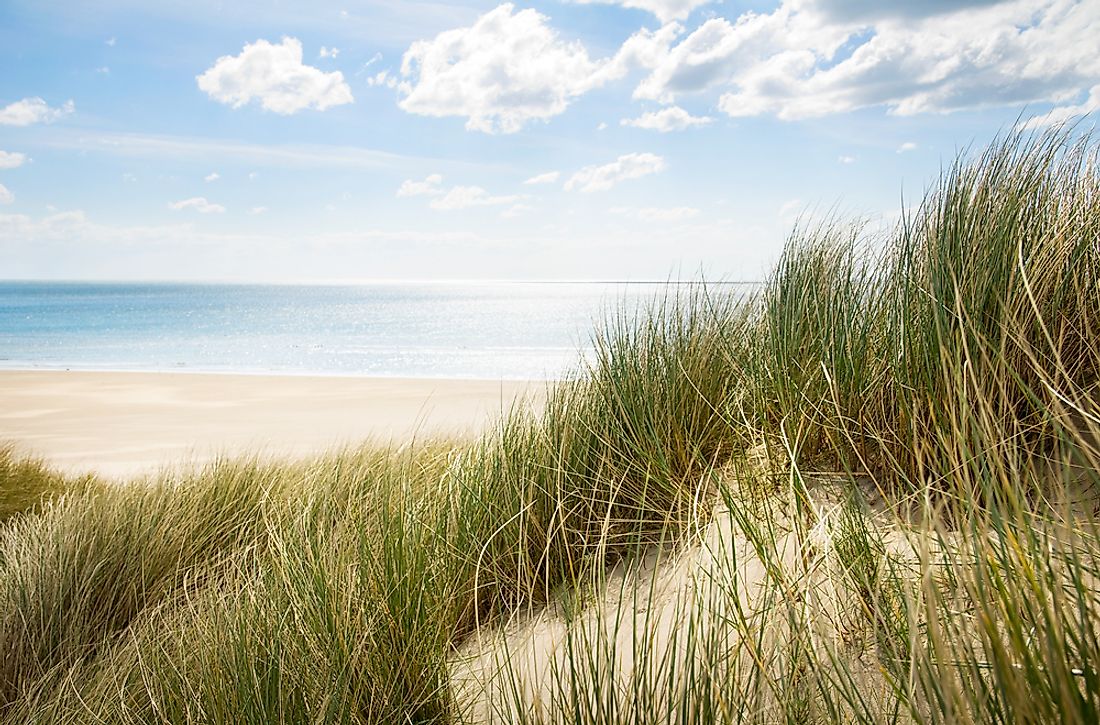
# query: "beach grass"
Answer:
x=27 y=483
x=867 y=492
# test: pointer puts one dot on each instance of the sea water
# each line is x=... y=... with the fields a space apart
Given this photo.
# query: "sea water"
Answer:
x=505 y=330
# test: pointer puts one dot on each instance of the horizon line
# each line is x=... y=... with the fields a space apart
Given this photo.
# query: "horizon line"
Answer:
x=370 y=280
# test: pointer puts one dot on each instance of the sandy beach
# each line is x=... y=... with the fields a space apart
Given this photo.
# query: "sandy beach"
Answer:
x=123 y=424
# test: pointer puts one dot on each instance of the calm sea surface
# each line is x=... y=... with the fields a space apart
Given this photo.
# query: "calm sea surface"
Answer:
x=510 y=330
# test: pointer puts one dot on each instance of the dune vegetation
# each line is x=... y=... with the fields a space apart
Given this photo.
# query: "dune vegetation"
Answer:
x=867 y=492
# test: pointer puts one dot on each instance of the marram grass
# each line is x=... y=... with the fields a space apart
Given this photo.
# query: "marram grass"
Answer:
x=867 y=492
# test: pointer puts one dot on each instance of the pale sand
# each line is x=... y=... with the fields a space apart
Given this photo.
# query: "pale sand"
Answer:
x=122 y=424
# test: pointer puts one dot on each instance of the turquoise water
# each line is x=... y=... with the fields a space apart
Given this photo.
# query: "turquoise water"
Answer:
x=508 y=330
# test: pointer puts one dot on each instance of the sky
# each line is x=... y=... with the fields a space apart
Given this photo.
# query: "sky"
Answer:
x=252 y=140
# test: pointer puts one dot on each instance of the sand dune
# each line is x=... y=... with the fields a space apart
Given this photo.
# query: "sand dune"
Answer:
x=121 y=423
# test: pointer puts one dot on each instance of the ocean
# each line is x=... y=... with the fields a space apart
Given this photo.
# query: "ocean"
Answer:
x=501 y=330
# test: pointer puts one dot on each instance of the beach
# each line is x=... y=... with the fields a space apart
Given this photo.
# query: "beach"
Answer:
x=121 y=424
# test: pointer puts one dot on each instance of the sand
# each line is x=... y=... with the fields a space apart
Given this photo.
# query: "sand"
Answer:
x=121 y=424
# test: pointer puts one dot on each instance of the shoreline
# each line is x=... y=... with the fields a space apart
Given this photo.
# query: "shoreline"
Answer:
x=122 y=424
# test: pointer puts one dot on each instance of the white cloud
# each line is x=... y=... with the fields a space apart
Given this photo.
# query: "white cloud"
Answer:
x=511 y=68
x=457 y=197
x=373 y=59
x=199 y=204
x=845 y=159
x=6 y=197
x=1063 y=114
x=18 y=227
x=33 y=110
x=103 y=70
x=507 y=69
x=665 y=10
x=427 y=187
x=707 y=57
x=463 y=197
x=11 y=159
x=275 y=76
x=212 y=176
x=602 y=178
x=328 y=52
x=384 y=79
x=668 y=119
x=602 y=126
x=866 y=10
x=111 y=41
x=906 y=147
x=547 y=178
x=812 y=58
x=257 y=210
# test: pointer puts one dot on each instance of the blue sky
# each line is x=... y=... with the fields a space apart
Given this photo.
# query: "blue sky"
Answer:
x=610 y=139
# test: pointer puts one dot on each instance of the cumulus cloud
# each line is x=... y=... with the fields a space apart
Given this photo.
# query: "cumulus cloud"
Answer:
x=33 y=110
x=11 y=159
x=385 y=79
x=507 y=69
x=965 y=57
x=1062 y=114
x=602 y=178
x=275 y=76
x=907 y=147
x=463 y=197
x=811 y=58
x=665 y=10
x=864 y=10
x=257 y=210
x=328 y=52
x=845 y=159
x=6 y=197
x=806 y=58
x=427 y=187
x=457 y=197
x=707 y=57
x=668 y=119
x=212 y=176
x=199 y=204
x=547 y=178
